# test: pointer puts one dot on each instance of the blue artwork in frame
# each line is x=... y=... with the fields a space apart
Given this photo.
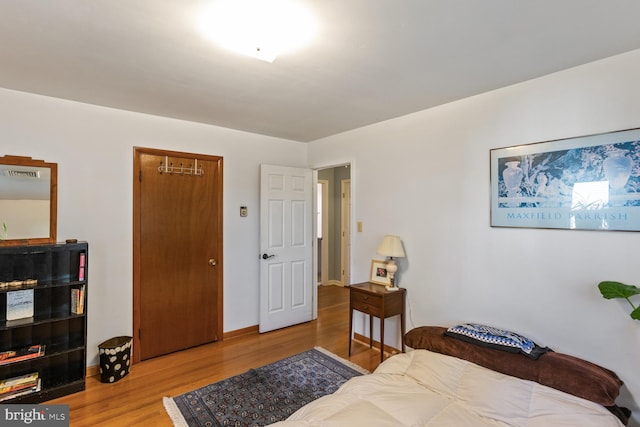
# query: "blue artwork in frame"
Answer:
x=583 y=183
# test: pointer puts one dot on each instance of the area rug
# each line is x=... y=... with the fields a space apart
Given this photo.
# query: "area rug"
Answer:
x=263 y=395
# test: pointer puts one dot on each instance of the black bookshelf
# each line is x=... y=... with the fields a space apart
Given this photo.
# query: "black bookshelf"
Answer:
x=52 y=271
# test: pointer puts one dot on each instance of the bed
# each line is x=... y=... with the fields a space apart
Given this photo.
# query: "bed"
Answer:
x=455 y=381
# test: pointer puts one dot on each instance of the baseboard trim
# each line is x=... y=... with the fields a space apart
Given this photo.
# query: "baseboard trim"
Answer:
x=376 y=344
x=335 y=283
x=93 y=370
x=251 y=330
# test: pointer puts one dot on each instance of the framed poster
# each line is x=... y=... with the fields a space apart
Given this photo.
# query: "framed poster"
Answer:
x=583 y=183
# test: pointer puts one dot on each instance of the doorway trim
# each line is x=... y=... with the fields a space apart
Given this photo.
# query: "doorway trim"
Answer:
x=345 y=231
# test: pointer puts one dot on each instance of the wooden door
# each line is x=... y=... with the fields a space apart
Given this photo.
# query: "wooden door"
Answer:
x=177 y=251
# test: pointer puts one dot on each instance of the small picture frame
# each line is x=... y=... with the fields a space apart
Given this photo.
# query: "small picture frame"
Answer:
x=379 y=273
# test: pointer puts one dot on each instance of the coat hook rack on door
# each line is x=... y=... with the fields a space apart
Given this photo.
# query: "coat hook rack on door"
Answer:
x=193 y=169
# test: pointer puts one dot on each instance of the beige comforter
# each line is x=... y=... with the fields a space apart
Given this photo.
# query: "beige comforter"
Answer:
x=421 y=388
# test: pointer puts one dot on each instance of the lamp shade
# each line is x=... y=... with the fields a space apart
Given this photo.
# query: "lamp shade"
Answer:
x=391 y=246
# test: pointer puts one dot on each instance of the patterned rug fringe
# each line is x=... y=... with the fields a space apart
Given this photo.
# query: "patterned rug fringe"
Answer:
x=174 y=413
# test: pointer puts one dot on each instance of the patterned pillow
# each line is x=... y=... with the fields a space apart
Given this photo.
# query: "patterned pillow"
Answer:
x=499 y=339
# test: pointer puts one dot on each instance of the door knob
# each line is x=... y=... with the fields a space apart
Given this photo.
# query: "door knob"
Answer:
x=265 y=256
x=212 y=262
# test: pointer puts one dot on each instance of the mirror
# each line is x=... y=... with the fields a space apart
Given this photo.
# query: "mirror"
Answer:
x=28 y=201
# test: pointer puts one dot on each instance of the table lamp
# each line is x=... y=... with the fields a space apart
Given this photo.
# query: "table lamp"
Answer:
x=391 y=247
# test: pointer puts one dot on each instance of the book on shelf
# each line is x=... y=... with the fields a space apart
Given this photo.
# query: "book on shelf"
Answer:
x=77 y=300
x=19 y=304
x=83 y=259
x=33 y=389
x=24 y=353
x=19 y=386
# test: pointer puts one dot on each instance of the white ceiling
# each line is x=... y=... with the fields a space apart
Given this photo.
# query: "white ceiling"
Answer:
x=373 y=59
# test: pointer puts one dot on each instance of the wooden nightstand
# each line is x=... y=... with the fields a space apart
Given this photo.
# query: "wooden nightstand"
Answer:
x=376 y=300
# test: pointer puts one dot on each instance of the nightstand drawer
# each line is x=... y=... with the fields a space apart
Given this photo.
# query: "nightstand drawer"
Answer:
x=366 y=308
x=366 y=298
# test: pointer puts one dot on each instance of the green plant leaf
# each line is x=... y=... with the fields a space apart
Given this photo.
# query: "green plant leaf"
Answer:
x=635 y=314
x=611 y=290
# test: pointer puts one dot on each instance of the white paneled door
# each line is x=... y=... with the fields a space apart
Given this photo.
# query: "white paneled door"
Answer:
x=286 y=242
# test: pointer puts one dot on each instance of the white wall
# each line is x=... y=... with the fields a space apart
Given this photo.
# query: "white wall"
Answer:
x=93 y=147
x=425 y=177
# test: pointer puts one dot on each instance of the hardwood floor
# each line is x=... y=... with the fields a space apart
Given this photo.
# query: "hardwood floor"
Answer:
x=137 y=398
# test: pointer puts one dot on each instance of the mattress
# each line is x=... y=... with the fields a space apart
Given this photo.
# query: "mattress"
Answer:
x=423 y=388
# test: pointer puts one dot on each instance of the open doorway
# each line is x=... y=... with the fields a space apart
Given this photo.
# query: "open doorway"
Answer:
x=333 y=230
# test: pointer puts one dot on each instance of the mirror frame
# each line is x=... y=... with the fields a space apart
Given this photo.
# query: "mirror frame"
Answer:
x=53 y=199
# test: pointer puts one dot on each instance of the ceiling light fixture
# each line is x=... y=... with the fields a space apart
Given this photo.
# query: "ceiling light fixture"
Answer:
x=262 y=29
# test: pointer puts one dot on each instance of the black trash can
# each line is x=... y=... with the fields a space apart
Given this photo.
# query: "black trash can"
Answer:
x=115 y=358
